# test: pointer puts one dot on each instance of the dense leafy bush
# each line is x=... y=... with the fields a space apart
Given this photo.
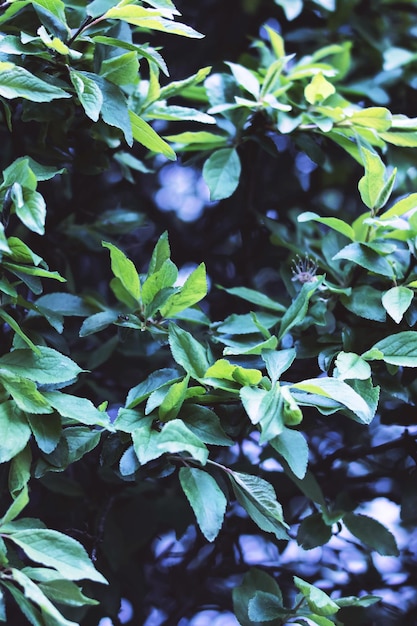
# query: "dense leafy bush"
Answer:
x=201 y=356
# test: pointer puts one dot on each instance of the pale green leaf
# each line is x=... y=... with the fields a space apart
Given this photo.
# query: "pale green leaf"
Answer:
x=297 y=311
x=396 y=301
x=188 y=352
x=176 y=437
x=14 y=430
x=36 y=595
x=192 y=291
x=341 y=392
x=372 y=183
x=255 y=297
x=332 y=222
x=221 y=173
x=125 y=270
x=318 y=601
x=145 y=134
x=16 y=507
x=319 y=89
x=350 y=365
x=399 y=349
x=56 y=550
x=292 y=446
x=88 y=92
x=409 y=203
x=258 y=498
x=16 y=82
x=206 y=499
x=246 y=79
x=173 y=401
x=32 y=211
x=48 y=366
x=378 y=118
x=81 y=410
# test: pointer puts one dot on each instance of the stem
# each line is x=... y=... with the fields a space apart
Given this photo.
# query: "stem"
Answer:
x=88 y=23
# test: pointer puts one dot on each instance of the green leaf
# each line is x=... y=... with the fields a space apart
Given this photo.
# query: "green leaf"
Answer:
x=124 y=270
x=16 y=82
x=201 y=139
x=248 y=346
x=16 y=507
x=97 y=322
x=26 y=607
x=45 y=367
x=265 y=607
x=114 y=111
x=292 y=446
x=32 y=212
x=80 y=440
x=121 y=70
x=187 y=352
x=181 y=87
x=372 y=183
x=297 y=311
x=378 y=118
x=292 y=8
x=56 y=550
x=193 y=290
x=402 y=206
x=82 y=410
x=332 y=222
x=221 y=173
x=399 y=349
x=253 y=582
x=173 y=401
x=363 y=255
x=319 y=89
x=158 y=280
x=60 y=591
x=258 y=498
x=14 y=430
x=145 y=134
x=145 y=440
x=278 y=361
x=19 y=473
x=15 y=326
x=46 y=430
x=150 y=18
x=318 y=601
x=24 y=392
x=176 y=437
x=341 y=392
x=265 y=408
x=204 y=423
x=35 y=594
x=365 y=301
x=246 y=79
x=88 y=92
x=372 y=533
x=223 y=369
x=155 y=381
x=396 y=301
x=206 y=499
x=350 y=365
x=255 y=297
x=313 y=532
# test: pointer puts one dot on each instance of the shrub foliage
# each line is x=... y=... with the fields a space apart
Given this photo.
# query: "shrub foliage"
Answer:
x=171 y=389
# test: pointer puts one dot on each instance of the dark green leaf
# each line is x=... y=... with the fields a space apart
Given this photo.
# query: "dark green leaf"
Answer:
x=372 y=533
